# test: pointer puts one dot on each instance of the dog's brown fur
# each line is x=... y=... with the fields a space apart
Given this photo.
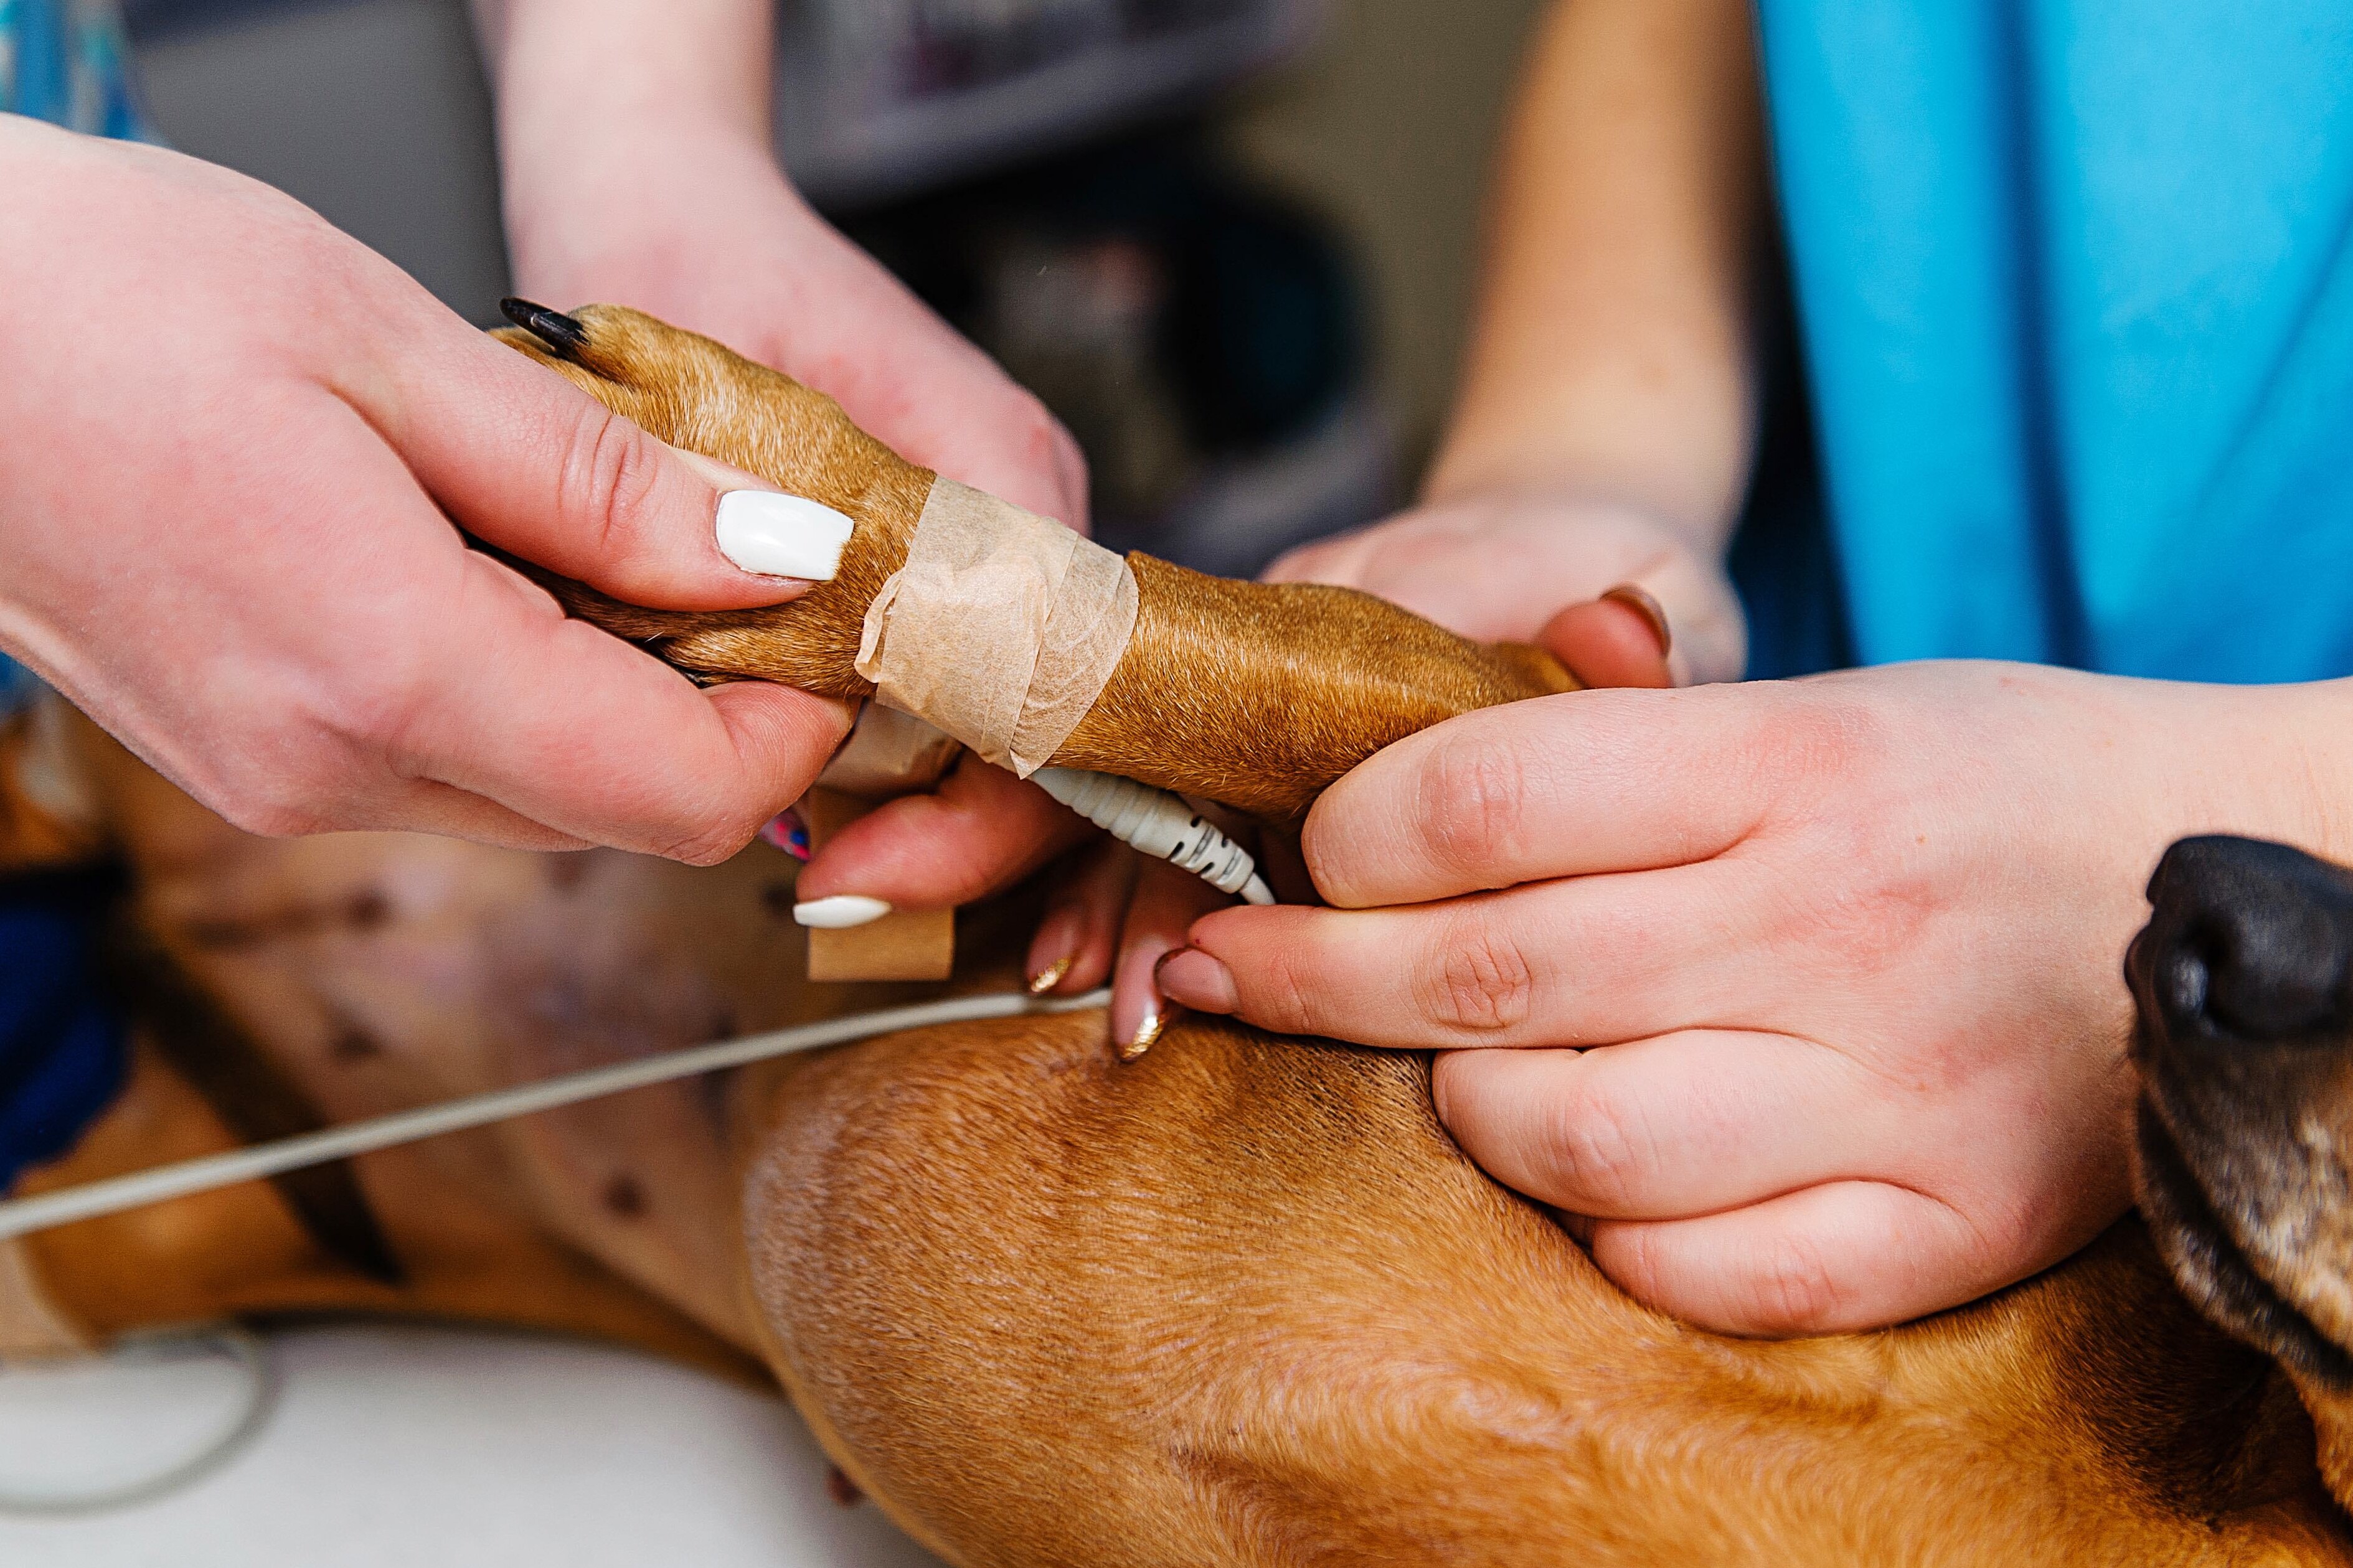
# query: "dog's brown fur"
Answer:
x=1296 y=685
x=1242 y=1303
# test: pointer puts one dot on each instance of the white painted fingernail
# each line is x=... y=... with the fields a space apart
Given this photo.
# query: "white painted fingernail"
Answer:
x=777 y=536
x=844 y=912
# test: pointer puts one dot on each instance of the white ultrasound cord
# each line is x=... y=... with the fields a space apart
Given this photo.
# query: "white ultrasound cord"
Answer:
x=1160 y=825
x=22 y=1217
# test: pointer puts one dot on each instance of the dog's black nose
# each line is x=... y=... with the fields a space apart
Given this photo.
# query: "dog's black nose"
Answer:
x=2249 y=940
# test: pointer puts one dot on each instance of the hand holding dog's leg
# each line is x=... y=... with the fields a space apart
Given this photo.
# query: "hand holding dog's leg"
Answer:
x=1806 y=994
x=238 y=555
x=637 y=145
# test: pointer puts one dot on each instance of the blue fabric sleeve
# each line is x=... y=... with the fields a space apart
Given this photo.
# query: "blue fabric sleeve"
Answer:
x=63 y=1056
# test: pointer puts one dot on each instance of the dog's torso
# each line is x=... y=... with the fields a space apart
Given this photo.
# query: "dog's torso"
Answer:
x=1241 y=1302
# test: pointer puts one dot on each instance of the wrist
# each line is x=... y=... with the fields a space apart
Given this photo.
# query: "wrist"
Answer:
x=2148 y=762
x=2303 y=787
x=581 y=139
x=637 y=193
x=586 y=63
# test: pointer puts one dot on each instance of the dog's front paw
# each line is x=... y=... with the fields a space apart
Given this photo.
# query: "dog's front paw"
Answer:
x=703 y=397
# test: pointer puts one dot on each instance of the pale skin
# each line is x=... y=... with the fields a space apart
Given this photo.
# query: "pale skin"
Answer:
x=635 y=145
x=233 y=443
x=238 y=554
x=1798 y=1001
x=719 y=242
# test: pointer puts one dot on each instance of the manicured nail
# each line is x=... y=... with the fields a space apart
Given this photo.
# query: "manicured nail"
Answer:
x=562 y=334
x=775 y=535
x=1638 y=599
x=1146 y=1034
x=846 y=912
x=788 y=833
x=1046 y=979
x=1200 y=982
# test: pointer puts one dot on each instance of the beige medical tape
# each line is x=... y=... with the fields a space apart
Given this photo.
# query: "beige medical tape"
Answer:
x=1002 y=628
x=888 y=754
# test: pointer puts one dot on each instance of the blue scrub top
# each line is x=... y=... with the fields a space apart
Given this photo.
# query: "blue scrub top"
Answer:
x=62 y=1056
x=2075 y=283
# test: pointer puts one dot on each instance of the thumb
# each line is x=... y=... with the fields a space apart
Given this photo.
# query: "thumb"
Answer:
x=524 y=460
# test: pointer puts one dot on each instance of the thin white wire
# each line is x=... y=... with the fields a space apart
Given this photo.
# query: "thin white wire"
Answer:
x=233 y=1343
x=22 y=1217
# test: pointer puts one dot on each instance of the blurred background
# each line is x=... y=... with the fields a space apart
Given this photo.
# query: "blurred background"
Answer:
x=1229 y=242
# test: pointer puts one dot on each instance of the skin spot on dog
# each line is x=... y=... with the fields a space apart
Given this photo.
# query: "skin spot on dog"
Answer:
x=351 y=1045
x=624 y=1198
x=225 y=936
x=367 y=911
x=566 y=872
x=711 y=1095
x=841 y=1489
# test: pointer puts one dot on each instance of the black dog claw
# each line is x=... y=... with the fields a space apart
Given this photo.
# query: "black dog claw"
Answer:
x=559 y=332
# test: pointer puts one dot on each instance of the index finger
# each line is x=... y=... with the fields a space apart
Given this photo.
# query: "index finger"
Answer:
x=578 y=731
x=1558 y=786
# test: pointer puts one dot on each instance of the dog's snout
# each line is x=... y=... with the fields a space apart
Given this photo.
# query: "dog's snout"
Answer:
x=2249 y=940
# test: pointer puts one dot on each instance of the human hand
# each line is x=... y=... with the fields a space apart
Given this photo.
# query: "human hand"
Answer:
x=232 y=444
x=684 y=213
x=1542 y=568
x=1807 y=994
x=1468 y=566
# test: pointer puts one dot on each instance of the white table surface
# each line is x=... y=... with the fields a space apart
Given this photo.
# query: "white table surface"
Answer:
x=399 y=1445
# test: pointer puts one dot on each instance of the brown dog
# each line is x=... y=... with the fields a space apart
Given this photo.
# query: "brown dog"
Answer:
x=1240 y=1303
x=2244 y=985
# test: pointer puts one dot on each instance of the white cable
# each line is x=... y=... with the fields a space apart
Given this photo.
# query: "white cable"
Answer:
x=22 y=1217
x=1160 y=825
x=257 y=1396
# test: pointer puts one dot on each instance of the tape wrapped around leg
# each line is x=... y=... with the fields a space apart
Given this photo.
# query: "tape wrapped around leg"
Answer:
x=1002 y=628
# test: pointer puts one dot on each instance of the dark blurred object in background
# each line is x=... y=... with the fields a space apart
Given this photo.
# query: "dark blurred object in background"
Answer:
x=883 y=97
x=1203 y=340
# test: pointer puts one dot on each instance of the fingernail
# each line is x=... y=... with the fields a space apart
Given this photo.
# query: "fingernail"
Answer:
x=1046 y=979
x=772 y=534
x=1200 y=982
x=1146 y=1034
x=847 y=911
x=1054 y=950
x=788 y=833
x=1638 y=599
x=559 y=332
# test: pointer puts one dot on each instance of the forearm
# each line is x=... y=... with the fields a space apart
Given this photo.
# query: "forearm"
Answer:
x=1613 y=356
x=586 y=88
x=582 y=62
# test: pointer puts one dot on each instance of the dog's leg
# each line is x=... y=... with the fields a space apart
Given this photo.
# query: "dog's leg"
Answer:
x=1253 y=695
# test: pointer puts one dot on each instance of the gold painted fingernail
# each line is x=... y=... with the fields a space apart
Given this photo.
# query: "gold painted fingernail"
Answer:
x=1638 y=599
x=1147 y=1035
x=1046 y=979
